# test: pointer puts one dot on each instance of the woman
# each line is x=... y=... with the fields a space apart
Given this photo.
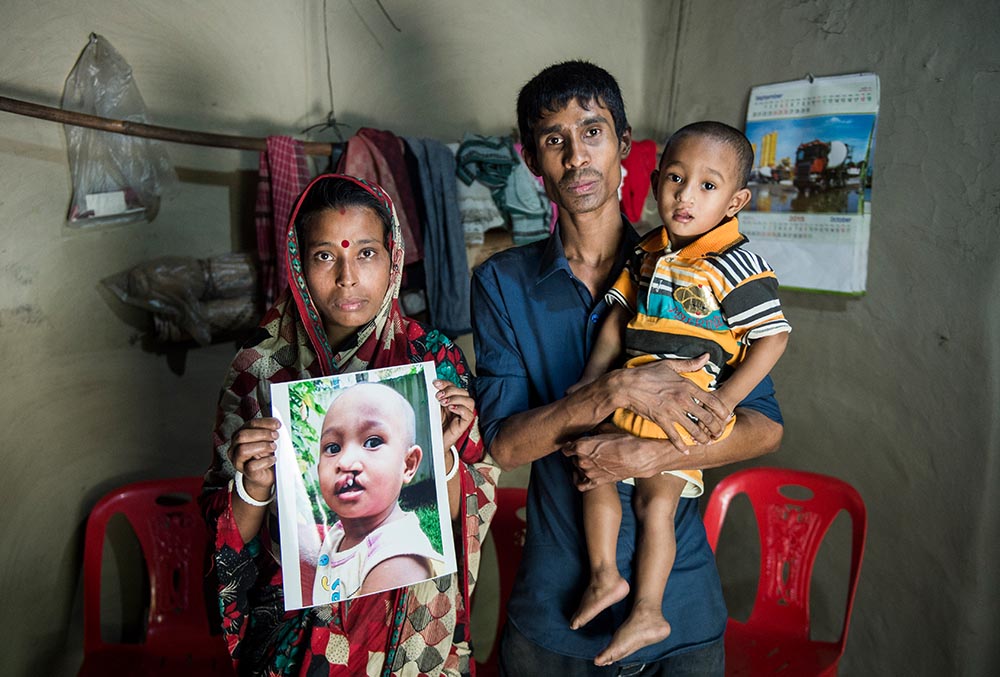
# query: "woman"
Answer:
x=340 y=314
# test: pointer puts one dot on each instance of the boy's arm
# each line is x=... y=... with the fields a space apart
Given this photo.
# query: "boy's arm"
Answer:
x=608 y=346
x=762 y=354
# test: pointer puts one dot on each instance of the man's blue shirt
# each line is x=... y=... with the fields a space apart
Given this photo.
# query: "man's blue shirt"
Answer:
x=534 y=326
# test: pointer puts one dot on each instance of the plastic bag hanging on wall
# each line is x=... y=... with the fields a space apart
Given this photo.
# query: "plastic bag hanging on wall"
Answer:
x=116 y=178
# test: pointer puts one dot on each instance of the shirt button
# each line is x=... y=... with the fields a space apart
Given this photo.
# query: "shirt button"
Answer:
x=594 y=318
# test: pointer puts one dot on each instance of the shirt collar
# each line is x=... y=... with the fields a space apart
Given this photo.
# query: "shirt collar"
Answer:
x=554 y=257
x=721 y=238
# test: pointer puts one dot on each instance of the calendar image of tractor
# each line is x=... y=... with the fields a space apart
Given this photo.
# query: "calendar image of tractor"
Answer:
x=818 y=164
x=821 y=165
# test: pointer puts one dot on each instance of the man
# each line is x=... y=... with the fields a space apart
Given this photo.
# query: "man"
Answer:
x=535 y=313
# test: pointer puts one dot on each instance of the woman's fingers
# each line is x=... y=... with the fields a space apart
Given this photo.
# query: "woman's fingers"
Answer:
x=457 y=410
x=257 y=439
x=454 y=399
x=259 y=469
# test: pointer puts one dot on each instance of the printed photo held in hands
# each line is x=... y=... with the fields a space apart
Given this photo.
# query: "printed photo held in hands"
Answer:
x=362 y=491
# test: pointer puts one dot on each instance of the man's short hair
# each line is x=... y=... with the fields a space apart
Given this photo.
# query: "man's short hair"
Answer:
x=553 y=89
x=722 y=133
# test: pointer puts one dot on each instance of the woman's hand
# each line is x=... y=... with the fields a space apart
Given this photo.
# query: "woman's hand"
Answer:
x=252 y=453
x=457 y=411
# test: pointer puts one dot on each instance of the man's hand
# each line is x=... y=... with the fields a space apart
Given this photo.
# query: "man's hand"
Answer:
x=656 y=391
x=612 y=456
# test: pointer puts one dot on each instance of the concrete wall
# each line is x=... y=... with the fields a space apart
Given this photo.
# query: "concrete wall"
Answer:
x=896 y=391
x=86 y=407
x=457 y=66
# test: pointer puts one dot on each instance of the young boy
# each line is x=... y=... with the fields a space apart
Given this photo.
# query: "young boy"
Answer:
x=691 y=289
x=368 y=451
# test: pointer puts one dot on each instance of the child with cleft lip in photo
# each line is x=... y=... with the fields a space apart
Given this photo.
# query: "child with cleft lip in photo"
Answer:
x=368 y=451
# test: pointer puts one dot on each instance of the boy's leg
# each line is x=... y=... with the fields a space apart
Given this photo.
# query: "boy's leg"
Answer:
x=602 y=517
x=655 y=502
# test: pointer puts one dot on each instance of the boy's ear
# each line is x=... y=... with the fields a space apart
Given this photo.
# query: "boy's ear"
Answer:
x=738 y=201
x=654 y=179
x=411 y=461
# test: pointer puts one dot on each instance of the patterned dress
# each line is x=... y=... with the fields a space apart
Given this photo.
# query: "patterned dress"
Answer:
x=419 y=630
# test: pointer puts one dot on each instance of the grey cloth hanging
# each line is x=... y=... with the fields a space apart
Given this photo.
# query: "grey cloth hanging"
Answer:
x=446 y=267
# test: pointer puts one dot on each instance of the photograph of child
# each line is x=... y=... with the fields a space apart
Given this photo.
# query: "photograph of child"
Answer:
x=360 y=477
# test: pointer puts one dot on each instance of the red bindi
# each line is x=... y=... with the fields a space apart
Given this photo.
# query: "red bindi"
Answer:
x=345 y=244
x=343 y=210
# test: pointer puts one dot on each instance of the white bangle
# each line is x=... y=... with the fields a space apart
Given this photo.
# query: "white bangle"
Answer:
x=247 y=498
x=454 y=464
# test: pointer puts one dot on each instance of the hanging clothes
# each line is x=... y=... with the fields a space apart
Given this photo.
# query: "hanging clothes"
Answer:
x=446 y=267
x=475 y=205
x=282 y=175
x=377 y=157
x=487 y=159
x=527 y=204
x=493 y=162
x=639 y=165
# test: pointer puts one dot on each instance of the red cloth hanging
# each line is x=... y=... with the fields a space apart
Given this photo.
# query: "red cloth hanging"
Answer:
x=639 y=164
x=377 y=156
x=282 y=175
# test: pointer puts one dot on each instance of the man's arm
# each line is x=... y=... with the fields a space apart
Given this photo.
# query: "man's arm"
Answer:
x=516 y=434
x=654 y=391
x=614 y=456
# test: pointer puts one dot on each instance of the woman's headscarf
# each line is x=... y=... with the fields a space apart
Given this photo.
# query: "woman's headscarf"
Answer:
x=376 y=343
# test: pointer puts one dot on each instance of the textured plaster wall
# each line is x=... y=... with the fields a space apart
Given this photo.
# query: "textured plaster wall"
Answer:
x=86 y=408
x=896 y=391
x=457 y=66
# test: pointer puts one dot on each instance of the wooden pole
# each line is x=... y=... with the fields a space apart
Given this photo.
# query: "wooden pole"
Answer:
x=128 y=128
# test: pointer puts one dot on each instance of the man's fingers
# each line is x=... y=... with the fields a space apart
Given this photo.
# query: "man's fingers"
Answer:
x=719 y=413
x=679 y=444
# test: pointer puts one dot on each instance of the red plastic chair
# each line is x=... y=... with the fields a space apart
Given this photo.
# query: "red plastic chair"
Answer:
x=508 y=537
x=775 y=639
x=172 y=534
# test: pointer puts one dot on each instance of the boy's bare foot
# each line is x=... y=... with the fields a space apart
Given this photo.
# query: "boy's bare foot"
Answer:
x=644 y=626
x=604 y=590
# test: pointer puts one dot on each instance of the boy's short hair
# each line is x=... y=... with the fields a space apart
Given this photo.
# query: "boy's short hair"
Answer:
x=553 y=88
x=723 y=133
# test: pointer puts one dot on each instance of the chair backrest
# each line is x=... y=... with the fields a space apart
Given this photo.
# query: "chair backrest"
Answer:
x=172 y=534
x=507 y=527
x=791 y=530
